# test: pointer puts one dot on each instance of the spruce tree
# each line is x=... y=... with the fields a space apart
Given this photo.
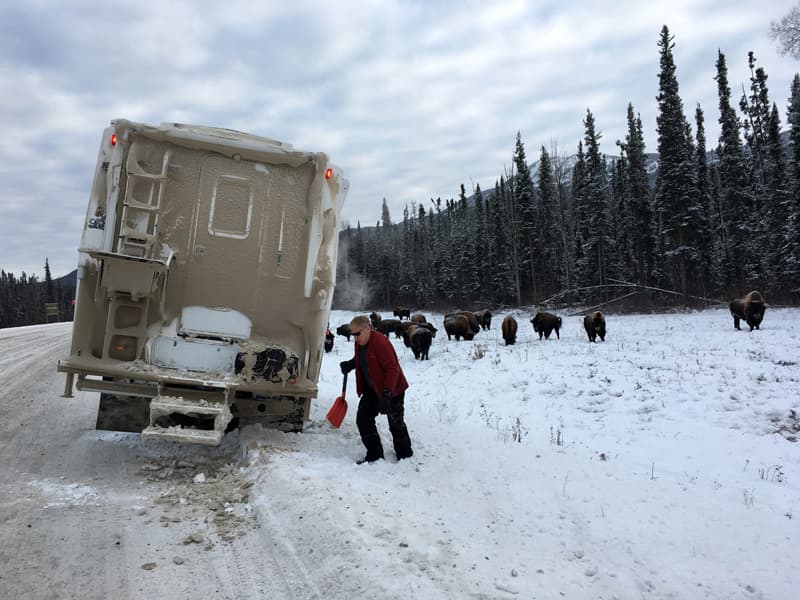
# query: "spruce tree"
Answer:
x=580 y=213
x=702 y=208
x=790 y=252
x=619 y=261
x=549 y=256
x=675 y=187
x=733 y=196
x=49 y=295
x=508 y=230
x=638 y=219
x=482 y=265
x=522 y=195
x=594 y=216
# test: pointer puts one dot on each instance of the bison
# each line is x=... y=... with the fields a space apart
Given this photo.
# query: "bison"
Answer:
x=344 y=330
x=374 y=318
x=407 y=328
x=421 y=339
x=544 y=323
x=401 y=312
x=328 y=340
x=595 y=324
x=458 y=325
x=387 y=326
x=509 y=328
x=750 y=309
x=418 y=318
x=484 y=318
x=471 y=319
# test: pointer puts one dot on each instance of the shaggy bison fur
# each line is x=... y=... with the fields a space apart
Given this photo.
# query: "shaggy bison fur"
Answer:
x=595 y=325
x=387 y=326
x=509 y=328
x=344 y=330
x=458 y=325
x=472 y=320
x=484 y=318
x=750 y=309
x=421 y=338
x=401 y=312
x=407 y=327
x=544 y=323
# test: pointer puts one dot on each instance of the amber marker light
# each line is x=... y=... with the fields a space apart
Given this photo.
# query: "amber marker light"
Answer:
x=328 y=173
x=113 y=139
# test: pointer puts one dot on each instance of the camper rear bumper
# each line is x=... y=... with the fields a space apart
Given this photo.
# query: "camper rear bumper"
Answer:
x=138 y=379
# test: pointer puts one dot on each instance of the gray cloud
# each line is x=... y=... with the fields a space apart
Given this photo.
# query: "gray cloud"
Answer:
x=411 y=98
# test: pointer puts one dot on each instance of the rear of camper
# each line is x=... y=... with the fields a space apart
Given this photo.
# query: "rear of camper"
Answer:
x=205 y=278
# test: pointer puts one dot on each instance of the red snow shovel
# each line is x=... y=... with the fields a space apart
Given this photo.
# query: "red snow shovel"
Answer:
x=337 y=412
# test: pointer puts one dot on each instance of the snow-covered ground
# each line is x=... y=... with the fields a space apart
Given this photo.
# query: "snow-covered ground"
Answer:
x=661 y=463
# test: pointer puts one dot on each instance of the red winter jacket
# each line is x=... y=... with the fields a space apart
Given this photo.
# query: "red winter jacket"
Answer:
x=384 y=368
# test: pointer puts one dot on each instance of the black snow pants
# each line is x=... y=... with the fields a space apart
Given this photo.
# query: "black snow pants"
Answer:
x=365 y=419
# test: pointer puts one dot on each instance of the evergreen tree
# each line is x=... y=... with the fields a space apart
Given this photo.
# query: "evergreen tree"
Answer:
x=581 y=217
x=619 y=260
x=778 y=207
x=566 y=219
x=482 y=264
x=733 y=192
x=675 y=197
x=594 y=216
x=638 y=219
x=702 y=208
x=790 y=252
x=50 y=295
x=549 y=257
x=522 y=196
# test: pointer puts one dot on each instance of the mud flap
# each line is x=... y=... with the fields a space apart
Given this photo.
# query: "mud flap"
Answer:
x=284 y=413
x=192 y=421
x=123 y=413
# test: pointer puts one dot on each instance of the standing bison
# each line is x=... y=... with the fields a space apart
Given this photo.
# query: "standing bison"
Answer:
x=750 y=309
x=421 y=338
x=595 y=324
x=458 y=325
x=484 y=318
x=474 y=327
x=401 y=312
x=509 y=328
x=387 y=326
x=544 y=323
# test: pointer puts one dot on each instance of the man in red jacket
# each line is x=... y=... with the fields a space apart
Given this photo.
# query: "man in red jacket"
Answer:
x=381 y=385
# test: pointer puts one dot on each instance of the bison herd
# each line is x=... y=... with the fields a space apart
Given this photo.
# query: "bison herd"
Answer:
x=417 y=334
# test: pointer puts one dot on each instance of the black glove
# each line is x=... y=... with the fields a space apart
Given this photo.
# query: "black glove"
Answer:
x=346 y=366
x=385 y=402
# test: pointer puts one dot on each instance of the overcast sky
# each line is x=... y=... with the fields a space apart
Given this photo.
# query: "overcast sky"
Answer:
x=411 y=98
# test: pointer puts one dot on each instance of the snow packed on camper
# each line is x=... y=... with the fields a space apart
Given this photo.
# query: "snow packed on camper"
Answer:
x=663 y=462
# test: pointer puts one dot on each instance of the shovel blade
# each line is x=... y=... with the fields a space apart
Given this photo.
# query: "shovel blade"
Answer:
x=337 y=412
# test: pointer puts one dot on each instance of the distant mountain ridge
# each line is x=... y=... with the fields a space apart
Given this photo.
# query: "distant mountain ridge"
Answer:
x=70 y=279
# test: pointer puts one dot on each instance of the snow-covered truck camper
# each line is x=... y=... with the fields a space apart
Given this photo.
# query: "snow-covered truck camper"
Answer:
x=205 y=278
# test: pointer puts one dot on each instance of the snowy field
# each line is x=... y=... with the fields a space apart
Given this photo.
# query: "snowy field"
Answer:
x=661 y=463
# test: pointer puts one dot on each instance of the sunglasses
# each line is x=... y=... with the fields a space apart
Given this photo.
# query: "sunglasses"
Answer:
x=357 y=333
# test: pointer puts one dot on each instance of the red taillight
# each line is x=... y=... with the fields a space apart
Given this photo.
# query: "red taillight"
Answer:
x=113 y=139
x=328 y=173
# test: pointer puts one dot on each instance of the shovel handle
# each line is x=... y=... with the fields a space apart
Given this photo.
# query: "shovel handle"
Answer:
x=344 y=385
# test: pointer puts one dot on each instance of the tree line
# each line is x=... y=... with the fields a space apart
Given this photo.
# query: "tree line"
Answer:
x=712 y=223
x=24 y=299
